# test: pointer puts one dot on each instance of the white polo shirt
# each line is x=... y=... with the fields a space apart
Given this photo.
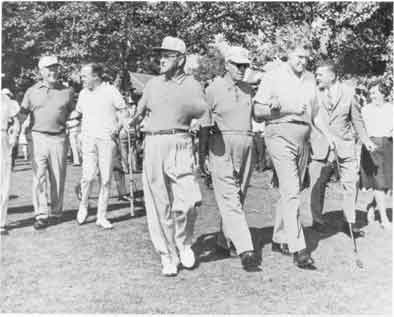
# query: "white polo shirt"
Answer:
x=98 y=108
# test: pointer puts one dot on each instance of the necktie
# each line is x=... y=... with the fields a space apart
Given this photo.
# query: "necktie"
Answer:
x=329 y=100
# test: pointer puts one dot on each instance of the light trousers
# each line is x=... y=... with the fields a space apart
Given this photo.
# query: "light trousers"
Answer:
x=97 y=153
x=5 y=176
x=49 y=155
x=171 y=192
x=231 y=168
x=289 y=150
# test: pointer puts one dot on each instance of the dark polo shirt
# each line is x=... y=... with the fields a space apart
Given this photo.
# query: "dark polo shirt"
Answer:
x=49 y=107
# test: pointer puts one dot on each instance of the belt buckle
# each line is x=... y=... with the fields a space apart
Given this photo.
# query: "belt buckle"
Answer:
x=173 y=131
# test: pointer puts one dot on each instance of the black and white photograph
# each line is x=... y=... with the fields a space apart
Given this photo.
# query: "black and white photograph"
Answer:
x=196 y=157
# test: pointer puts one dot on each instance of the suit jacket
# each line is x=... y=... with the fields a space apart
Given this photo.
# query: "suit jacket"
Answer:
x=343 y=118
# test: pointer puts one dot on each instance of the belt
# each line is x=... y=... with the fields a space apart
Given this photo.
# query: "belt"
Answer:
x=292 y=121
x=50 y=133
x=237 y=132
x=166 y=132
x=3 y=130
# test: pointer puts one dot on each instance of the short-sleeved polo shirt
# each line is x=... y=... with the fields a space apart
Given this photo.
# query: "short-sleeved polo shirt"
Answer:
x=290 y=91
x=49 y=107
x=172 y=103
x=98 y=108
x=230 y=104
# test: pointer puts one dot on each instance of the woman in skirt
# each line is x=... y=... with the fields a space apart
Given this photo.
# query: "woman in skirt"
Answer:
x=377 y=167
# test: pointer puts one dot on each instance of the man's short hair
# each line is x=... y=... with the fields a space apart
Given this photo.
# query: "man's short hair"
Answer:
x=298 y=41
x=97 y=69
x=329 y=64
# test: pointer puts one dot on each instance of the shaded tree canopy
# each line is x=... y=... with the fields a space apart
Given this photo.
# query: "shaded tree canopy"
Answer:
x=357 y=35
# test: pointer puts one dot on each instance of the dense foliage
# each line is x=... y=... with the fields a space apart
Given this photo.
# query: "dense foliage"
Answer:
x=357 y=35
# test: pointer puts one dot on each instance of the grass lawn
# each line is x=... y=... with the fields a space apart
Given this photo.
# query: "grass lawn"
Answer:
x=84 y=269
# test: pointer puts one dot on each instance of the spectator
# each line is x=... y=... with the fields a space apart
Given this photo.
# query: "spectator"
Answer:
x=377 y=167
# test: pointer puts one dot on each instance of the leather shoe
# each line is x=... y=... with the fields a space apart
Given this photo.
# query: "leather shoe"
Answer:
x=227 y=252
x=280 y=247
x=40 y=224
x=249 y=260
x=303 y=260
x=357 y=232
x=321 y=227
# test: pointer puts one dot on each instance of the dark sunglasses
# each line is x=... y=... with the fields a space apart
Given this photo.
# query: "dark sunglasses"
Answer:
x=239 y=66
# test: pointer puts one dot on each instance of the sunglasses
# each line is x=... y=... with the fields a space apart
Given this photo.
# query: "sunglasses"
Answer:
x=168 y=55
x=239 y=66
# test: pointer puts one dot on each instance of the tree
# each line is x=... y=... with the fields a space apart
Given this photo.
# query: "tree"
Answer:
x=358 y=36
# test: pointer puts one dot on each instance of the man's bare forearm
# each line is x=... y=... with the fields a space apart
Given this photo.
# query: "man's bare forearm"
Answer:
x=264 y=112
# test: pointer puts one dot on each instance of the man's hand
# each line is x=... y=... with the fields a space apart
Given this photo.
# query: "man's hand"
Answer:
x=331 y=142
x=371 y=147
x=132 y=121
x=275 y=105
x=115 y=132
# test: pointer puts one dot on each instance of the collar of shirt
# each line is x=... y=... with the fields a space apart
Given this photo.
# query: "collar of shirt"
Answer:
x=97 y=88
x=288 y=68
x=176 y=79
x=56 y=85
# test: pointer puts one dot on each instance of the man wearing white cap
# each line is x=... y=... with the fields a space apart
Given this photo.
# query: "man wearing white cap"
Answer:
x=230 y=150
x=170 y=187
x=9 y=135
x=49 y=104
x=103 y=111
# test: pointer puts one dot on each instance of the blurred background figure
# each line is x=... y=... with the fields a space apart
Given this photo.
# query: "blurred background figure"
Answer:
x=259 y=145
x=10 y=99
x=9 y=129
x=124 y=149
x=74 y=132
x=377 y=167
x=24 y=136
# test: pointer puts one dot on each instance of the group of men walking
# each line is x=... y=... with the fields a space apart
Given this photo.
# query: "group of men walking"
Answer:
x=297 y=110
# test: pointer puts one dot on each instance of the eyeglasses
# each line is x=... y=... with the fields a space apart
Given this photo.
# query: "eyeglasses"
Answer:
x=239 y=66
x=168 y=55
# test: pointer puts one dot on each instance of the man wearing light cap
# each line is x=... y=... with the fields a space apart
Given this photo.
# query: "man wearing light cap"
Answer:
x=171 y=190
x=230 y=150
x=49 y=104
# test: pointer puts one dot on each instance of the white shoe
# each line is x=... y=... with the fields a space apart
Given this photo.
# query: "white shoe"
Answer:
x=170 y=267
x=188 y=259
x=104 y=223
x=82 y=214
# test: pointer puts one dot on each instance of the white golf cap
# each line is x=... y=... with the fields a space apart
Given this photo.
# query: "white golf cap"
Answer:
x=238 y=55
x=172 y=44
x=47 y=61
